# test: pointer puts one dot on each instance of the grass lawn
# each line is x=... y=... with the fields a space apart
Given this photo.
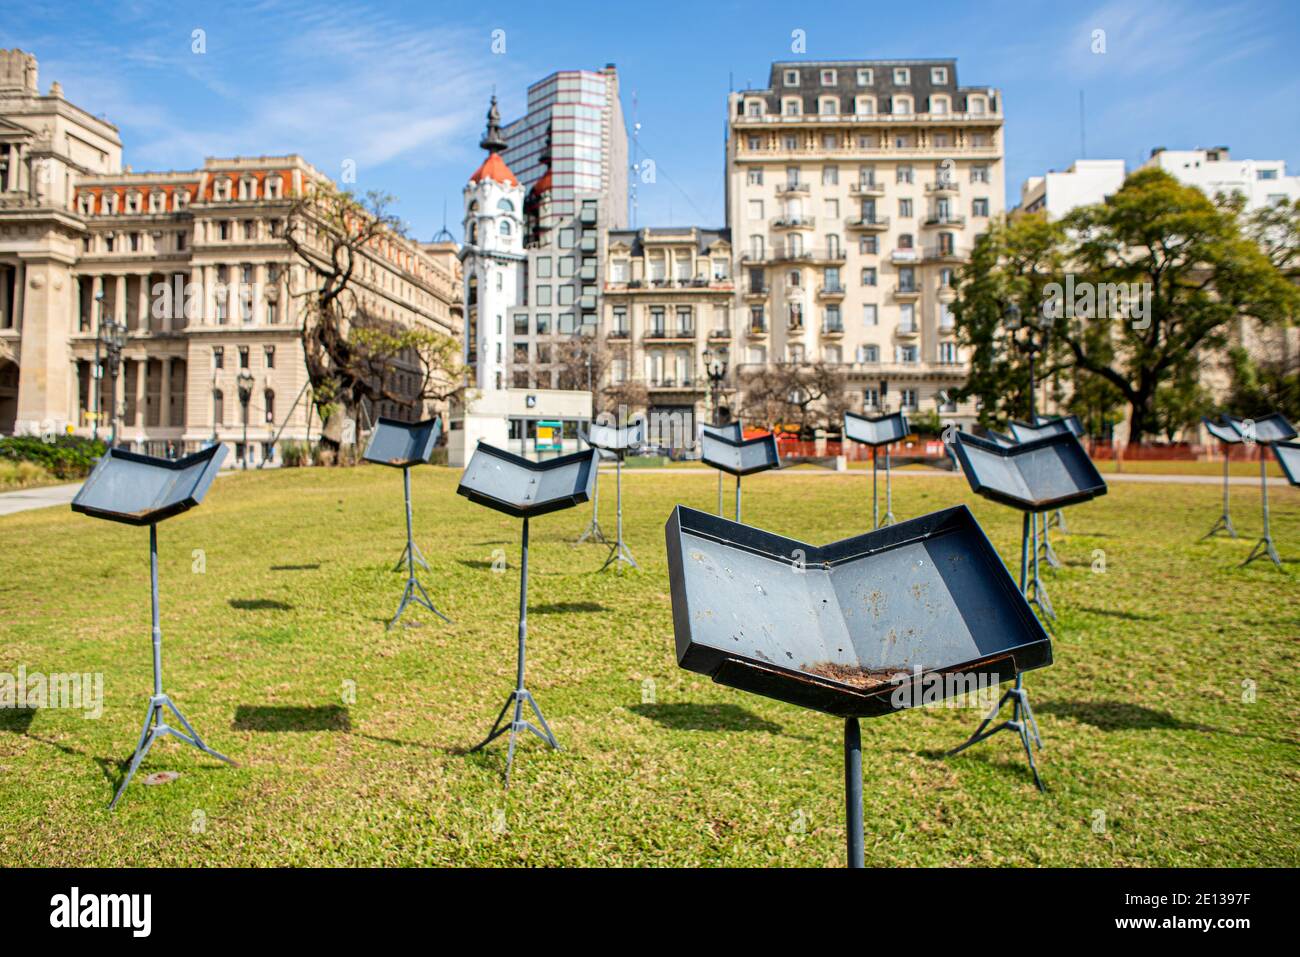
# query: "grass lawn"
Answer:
x=351 y=740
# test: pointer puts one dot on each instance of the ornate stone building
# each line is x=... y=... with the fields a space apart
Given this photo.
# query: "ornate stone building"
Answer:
x=193 y=264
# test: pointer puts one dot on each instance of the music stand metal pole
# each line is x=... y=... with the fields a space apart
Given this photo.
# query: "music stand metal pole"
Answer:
x=889 y=487
x=1049 y=553
x=1040 y=597
x=875 y=501
x=719 y=493
x=1265 y=545
x=1022 y=720
x=155 y=726
x=414 y=591
x=619 y=554
x=594 y=531
x=411 y=548
x=520 y=694
x=737 y=499
x=1224 y=522
x=853 y=791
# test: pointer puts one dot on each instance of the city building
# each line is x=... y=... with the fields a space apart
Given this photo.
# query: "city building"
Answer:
x=572 y=143
x=192 y=265
x=855 y=189
x=1214 y=171
x=669 y=296
x=528 y=290
x=1085 y=183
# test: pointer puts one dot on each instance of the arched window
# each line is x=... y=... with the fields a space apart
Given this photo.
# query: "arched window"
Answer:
x=473 y=233
x=268 y=398
x=833 y=245
x=218 y=408
x=505 y=206
x=504 y=228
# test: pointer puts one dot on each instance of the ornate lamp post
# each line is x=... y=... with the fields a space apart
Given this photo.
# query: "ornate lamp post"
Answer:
x=715 y=367
x=245 y=383
x=97 y=371
x=112 y=336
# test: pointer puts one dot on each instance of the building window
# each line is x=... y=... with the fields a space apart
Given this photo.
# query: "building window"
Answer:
x=828 y=105
x=869 y=245
x=948 y=355
x=268 y=398
x=902 y=76
x=830 y=175
x=790 y=142
x=620 y=270
x=544 y=267
x=939 y=106
x=754 y=107
x=977 y=104
x=504 y=227
x=902 y=105
x=791 y=78
x=866 y=77
x=1265 y=174
x=218 y=357
x=272 y=312
x=791 y=106
x=543 y=323
x=566 y=238
x=908 y=396
x=243 y=357
x=870 y=315
x=566 y=267
x=979 y=207
x=903 y=174
x=268 y=355
x=905 y=208
x=939 y=75
x=218 y=408
x=869 y=276
x=868 y=353
x=755 y=209
x=543 y=296
x=828 y=77
x=979 y=173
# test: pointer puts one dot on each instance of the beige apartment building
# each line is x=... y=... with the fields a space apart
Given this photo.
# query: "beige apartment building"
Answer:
x=192 y=263
x=668 y=297
x=855 y=190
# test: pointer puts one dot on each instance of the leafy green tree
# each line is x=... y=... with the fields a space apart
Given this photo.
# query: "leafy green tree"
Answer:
x=1196 y=273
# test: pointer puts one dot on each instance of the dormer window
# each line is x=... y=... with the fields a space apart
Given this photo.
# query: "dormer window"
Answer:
x=902 y=76
x=113 y=203
x=828 y=77
x=977 y=104
x=157 y=201
x=86 y=204
x=753 y=107
x=791 y=106
x=866 y=76
x=902 y=105
x=505 y=206
x=939 y=105
x=939 y=75
x=247 y=188
x=221 y=190
x=864 y=105
x=791 y=77
x=828 y=105
x=181 y=199
x=132 y=203
x=274 y=187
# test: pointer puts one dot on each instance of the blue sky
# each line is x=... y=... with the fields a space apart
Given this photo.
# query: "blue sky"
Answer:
x=401 y=88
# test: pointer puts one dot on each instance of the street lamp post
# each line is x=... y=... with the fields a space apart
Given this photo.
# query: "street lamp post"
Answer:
x=112 y=336
x=715 y=368
x=245 y=382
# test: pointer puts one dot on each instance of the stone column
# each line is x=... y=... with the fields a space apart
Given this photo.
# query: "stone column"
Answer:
x=259 y=293
x=96 y=290
x=119 y=299
x=141 y=377
x=143 y=319
x=165 y=393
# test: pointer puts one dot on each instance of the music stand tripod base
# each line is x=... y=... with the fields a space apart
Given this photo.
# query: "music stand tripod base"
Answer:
x=143 y=490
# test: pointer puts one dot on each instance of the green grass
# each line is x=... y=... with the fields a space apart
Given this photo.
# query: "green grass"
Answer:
x=1142 y=713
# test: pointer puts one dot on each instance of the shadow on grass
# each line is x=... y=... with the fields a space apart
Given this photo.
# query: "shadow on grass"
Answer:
x=260 y=604
x=295 y=568
x=275 y=719
x=17 y=720
x=705 y=717
x=561 y=607
x=1116 y=613
x=475 y=563
x=1120 y=716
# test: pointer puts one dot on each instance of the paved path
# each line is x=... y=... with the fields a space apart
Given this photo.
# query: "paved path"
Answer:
x=26 y=499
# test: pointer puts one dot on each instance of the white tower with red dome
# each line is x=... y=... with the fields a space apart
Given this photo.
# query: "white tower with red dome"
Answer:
x=493 y=258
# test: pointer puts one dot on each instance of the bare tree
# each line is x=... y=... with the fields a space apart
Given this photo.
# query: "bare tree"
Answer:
x=352 y=355
x=807 y=396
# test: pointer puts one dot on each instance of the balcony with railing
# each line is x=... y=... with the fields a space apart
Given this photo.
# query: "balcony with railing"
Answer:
x=757 y=290
x=873 y=188
x=907 y=330
x=720 y=333
x=792 y=188
x=943 y=187
x=905 y=255
x=948 y=254
x=939 y=220
x=871 y=224
x=830 y=291
x=907 y=291
x=756 y=329
x=833 y=328
x=794 y=222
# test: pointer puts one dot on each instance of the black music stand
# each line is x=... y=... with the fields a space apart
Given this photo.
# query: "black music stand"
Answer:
x=876 y=431
x=593 y=532
x=524 y=489
x=733 y=431
x=739 y=457
x=403 y=445
x=617 y=441
x=1227 y=436
x=1266 y=431
x=142 y=490
x=808 y=624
